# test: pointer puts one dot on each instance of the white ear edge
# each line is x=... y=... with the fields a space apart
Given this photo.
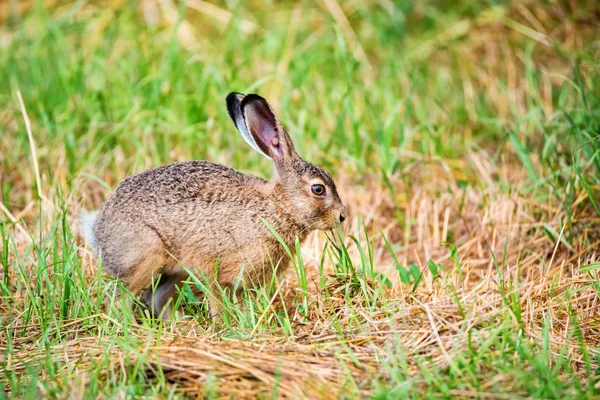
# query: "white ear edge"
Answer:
x=241 y=126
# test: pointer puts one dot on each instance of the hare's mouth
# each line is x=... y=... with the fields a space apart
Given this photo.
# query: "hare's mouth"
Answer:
x=331 y=225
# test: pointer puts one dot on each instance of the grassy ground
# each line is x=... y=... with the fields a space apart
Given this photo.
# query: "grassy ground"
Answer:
x=464 y=137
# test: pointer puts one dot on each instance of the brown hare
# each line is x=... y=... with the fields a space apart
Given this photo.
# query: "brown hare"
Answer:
x=209 y=218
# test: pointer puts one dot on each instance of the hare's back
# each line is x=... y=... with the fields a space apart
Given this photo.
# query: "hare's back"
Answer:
x=180 y=180
x=172 y=193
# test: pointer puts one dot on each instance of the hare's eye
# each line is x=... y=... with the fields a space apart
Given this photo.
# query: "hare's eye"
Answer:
x=318 y=189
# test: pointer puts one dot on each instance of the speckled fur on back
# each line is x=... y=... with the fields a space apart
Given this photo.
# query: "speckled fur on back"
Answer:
x=212 y=219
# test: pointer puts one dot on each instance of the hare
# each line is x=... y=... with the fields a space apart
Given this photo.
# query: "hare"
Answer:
x=211 y=219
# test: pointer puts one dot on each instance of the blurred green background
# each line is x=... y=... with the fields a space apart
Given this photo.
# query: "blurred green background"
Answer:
x=116 y=87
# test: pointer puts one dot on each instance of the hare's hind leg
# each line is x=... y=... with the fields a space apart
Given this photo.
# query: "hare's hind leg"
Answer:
x=145 y=268
x=134 y=256
x=157 y=298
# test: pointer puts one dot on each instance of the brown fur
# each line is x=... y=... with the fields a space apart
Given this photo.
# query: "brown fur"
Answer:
x=211 y=219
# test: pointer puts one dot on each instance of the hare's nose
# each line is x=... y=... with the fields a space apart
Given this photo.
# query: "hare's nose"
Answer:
x=342 y=216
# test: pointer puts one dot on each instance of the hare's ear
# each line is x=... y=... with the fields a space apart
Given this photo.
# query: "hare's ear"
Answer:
x=234 y=102
x=266 y=130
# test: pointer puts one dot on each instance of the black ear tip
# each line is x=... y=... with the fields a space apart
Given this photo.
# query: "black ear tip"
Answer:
x=234 y=97
x=233 y=101
x=253 y=97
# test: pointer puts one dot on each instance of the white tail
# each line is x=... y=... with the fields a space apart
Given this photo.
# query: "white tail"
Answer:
x=87 y=228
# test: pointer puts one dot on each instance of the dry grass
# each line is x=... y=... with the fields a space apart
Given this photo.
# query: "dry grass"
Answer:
x=542 y=274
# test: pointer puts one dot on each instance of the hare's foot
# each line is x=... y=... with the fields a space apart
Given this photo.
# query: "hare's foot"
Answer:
x=161 y=297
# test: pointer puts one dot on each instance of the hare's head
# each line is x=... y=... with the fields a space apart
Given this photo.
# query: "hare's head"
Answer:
x=310 y=190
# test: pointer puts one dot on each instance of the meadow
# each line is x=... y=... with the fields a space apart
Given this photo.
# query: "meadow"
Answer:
x=464 y=137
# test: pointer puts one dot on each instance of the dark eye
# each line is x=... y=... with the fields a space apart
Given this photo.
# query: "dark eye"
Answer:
x=318 y=190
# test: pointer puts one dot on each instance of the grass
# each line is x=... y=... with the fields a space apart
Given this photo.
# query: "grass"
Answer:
x=463 y=136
